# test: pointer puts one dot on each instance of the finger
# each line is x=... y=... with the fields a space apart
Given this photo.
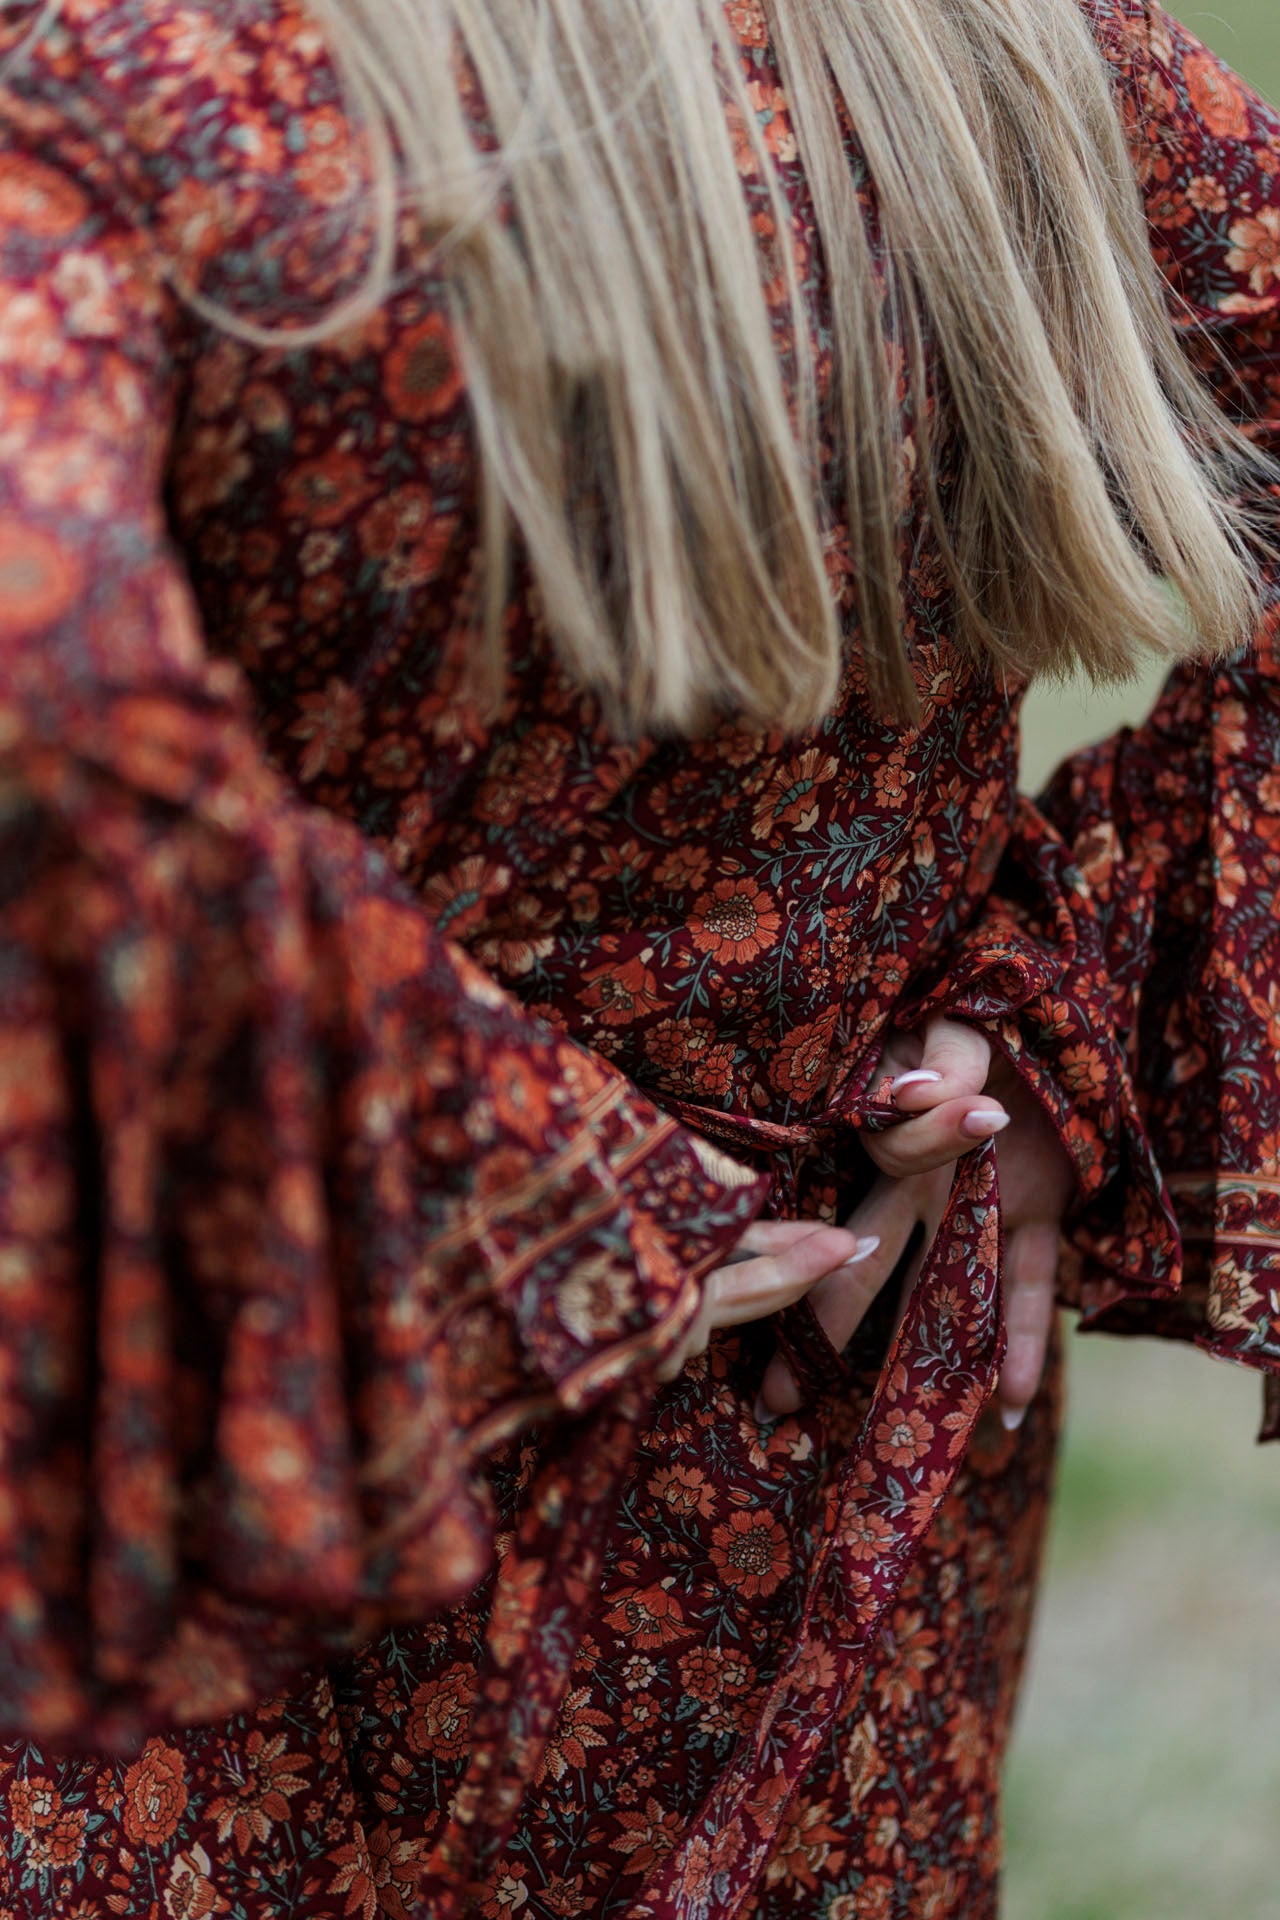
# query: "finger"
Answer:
x=1031 y=1268
x=954 y=1059
x=754 y=1288
x=899 y=1058
x=748 y=1289
x=886 y=1220
x=933 y=1139
x=773 y=1236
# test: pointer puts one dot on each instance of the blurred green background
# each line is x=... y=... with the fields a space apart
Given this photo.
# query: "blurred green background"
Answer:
x=1144 y=1782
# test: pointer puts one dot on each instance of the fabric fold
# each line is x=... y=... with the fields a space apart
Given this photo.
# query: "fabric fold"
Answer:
x=302 y=1217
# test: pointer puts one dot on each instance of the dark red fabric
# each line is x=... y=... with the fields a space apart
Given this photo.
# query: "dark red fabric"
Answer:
x=378 y=1082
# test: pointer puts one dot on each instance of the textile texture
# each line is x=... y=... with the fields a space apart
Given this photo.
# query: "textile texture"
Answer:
x=378 y=1081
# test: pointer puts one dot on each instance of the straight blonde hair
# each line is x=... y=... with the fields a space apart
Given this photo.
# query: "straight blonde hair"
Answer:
x=618 y=256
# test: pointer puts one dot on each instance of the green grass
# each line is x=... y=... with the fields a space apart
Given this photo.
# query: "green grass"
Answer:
x=1145 y=1776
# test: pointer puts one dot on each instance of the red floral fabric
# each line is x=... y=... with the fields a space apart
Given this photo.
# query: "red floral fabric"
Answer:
x=377 y=1083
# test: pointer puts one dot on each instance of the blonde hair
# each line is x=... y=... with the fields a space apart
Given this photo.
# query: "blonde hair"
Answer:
x=617 y=260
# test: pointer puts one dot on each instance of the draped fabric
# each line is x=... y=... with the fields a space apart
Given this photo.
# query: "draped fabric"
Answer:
x=378 y=1081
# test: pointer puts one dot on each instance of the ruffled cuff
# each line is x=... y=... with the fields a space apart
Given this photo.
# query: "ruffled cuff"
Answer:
x=299 y=1218
x=1126 y=962
x=1033 y=973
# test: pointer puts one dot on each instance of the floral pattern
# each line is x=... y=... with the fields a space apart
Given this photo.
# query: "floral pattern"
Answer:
x=378 y=1081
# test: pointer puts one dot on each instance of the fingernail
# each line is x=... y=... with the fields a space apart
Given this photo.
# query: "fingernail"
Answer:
x=763 y=1416
x=864 y=1247
x=916 y=1078
x=1012 y=1417
x=983 y=1122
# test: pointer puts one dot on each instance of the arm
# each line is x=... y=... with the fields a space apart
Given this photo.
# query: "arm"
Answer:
x=299 y=1215
x=1128 y=958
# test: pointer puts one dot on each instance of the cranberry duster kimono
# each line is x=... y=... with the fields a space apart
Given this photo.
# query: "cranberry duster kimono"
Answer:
x=377 y=1083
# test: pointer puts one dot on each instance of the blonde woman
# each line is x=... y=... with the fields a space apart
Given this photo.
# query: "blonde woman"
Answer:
x=523 y=530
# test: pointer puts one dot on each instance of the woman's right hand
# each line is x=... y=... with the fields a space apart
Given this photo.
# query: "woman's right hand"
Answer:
x=776 y=1262
x=956 y=1099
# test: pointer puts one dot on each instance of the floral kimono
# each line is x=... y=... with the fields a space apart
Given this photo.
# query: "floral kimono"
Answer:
x=378 y=1081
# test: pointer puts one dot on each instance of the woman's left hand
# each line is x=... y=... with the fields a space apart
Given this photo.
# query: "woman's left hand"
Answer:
x=945 y=1080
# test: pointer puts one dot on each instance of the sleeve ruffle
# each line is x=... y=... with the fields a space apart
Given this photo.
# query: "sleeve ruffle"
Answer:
x=1032 y=971
x=1175 y=827
x=1128 y=963
x=299 y=1218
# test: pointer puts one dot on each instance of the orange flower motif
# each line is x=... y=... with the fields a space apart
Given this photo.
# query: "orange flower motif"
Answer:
x=967 y=1745
x=1255 y=248
x=33 y=1802
x=914 y=1654
x=862 y=1763
x=378 y=1872
x=508 y=1893
x=40 y=579
x=751 y=1552
x=460 y=898
x=440 y=1713
x=578 y=1728
x=322 y=492
x=682 y=867
x=690 y=1057
x=324 y=169
x=868 y=1536
x=60 y=1844
x=260 y=1791
x=807 y=1849
x=647 y=1837
x=903 y=1437
x=802 y=1064
x=155 y=1795
x=39 y=199
x=621 y=995
x=408 y=535
x=875 y=1900
x=1207 y=194
x=354 y=1877
x=1216 y=97
x=423 y=376
x=684 y=1490
x=702 y=1673
x=791 y=800
x=593 y=1302
x=735 y=922
x=1084 y=1073
x=521 y=774
x=649 y=1616
x=525 y=936
x=641 y=1713
x=189 y=1891
x=892 y=780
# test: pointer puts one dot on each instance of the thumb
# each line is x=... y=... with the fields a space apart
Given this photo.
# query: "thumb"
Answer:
x=956 y=1059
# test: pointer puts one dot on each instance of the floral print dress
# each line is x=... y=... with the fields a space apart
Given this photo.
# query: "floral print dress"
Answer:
x=378 y=1082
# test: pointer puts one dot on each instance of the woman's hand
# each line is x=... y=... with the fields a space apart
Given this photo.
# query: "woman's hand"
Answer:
x=775 y=1263
x=945 y=1079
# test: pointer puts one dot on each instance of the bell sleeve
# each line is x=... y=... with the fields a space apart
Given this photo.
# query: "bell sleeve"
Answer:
x=1128 y=956
x=300 y=1216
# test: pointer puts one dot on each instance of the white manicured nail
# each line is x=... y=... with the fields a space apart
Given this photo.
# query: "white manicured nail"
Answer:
x=1012 y=1417
x=983 y=1122
x=864 y=1247
x=916 y=1078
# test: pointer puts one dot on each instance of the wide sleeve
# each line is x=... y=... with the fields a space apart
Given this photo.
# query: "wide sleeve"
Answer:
x=1129 y=953
x=300 y=1216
